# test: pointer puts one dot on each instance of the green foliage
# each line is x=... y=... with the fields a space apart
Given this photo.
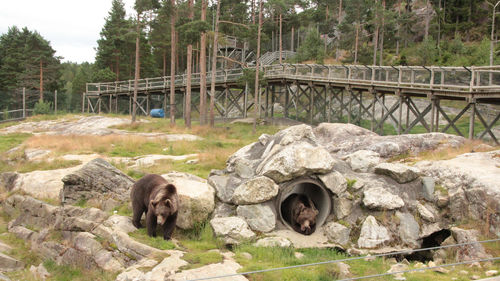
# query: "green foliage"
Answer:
x=190 y=32
x=42 y=107
x=350 y=183
x=103 y=75
x=200 y=259
x=248 y=78
x=312 y=48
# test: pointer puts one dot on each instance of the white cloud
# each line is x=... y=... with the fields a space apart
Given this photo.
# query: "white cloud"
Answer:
x=71 y=26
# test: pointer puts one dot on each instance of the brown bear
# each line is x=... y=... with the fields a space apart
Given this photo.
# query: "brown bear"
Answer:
x=301 y=213
x=158 y=198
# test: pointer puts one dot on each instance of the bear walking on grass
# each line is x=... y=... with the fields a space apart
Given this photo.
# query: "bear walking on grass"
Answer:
x=158 y=198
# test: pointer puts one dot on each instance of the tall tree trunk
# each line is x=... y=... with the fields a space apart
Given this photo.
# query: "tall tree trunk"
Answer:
x=164 y=62
x=136 y=76
x=41 y=80
x=253 y=11
x=257 y=66
x=398 y=32
x=172 y=64
x=281 y=38
x=203 y=67
x=381 y=58
x=117 y=66
x=356 y=44
x=189 y=62
x=214 y=66
x=375 y=35
x=293 y=39
x=427 y=20
x=439 y=26
x=340 y=10
x=337 y=52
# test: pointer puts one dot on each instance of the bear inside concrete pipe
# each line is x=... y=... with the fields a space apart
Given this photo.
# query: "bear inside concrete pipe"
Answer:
x=304 y=204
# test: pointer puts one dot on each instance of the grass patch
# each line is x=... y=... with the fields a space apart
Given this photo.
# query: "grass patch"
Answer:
x=199 y=259
x=70 y=273
x=10 y=141
x=158 y=242
x=123 y=210
x=200 y=238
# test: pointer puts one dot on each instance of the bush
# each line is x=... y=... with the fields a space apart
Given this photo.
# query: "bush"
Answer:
x=42 y=107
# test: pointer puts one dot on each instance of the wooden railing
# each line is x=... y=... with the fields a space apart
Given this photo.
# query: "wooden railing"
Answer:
x=483 y=79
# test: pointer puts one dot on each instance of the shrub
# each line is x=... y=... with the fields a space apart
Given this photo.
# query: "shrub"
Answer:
x=42 y=107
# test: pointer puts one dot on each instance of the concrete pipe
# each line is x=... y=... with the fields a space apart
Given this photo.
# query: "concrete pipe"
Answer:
x=311 y=188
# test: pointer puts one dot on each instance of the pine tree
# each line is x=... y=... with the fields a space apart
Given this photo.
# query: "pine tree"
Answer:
x=114 y=45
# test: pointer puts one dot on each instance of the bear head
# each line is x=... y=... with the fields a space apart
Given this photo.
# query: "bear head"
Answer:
x=165 y=203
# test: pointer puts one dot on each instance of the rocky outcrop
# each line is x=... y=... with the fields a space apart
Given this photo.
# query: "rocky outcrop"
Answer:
x=232 y=229
x=372 y=234
x=96 y=181
x=196 y=198
x=260 y=217
x=398 y=172
x=256 y=190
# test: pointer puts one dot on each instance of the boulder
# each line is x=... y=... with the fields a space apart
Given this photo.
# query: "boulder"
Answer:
x=428 y=184
x=470 y=252
x=226 y=267
x=274 y=241
x=337 y=233
x=379 y=198
x=167 y=267
x=223 y=210
x=133 y=274
x=39 y=272
x=408 y=229
x=372 y=234
x=295 y=160
x=260 y=217
x=10 y=264
x=97 y=181
x=232 y=229
x=196 y=198
x=342 y=207
x=398 y=172
x=120 y=223
x=363 y=160
x=256 y=190
x=334 y=135
x=425 y=213
x=224 y=186
x=335 y=182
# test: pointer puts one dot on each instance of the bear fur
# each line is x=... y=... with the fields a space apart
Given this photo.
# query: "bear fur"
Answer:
x=302 y=213
x=158 y=198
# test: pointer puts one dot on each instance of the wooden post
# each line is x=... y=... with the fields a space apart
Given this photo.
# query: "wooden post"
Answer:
x=83 y=102
x=372 y=125
x=110 y=103
x=329 y=101
x=400 y=112
x=99 y=105
x=129 y=104
x=311 y=105
x=24 y=102
x=437 y=115
x=245 y=101
x=472 y=119
x=55 y=102
x=349 y=111
x=433 y=112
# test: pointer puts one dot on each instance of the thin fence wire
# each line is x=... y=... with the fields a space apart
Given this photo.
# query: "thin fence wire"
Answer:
x=359 y=258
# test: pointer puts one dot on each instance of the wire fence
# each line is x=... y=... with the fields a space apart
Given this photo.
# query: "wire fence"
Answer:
x=406 y=252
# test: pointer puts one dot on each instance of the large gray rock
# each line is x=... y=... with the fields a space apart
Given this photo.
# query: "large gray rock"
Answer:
x=97 y=180
x=260 y=217
x=468 y=252
x=379 y=198
x=409 y=229
x=224 y=186
x=295 y=160
x=217 y=269
x=167 y=267
x=363 y=160
x=232 y=229
x=334 y=135
x=334 y=181
x=372 y=234
x=337 y=233
x=428 y=184
x=274 y=241
x=223 y=210
x=399 y=172
x=342 y=207
x=196 y=198
x=256 y=190
x=425 y=213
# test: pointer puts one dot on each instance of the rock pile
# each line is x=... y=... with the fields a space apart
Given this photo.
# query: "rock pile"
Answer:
x=371 y=205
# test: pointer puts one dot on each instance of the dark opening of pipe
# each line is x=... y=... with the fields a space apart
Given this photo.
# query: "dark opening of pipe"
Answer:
x=304 y=189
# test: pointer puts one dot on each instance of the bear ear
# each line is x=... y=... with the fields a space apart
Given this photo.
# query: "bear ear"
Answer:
x=155 y=202
x=168 y=203
x=171 y=188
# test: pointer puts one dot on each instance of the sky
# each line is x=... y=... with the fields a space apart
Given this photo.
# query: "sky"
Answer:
x=71 y=26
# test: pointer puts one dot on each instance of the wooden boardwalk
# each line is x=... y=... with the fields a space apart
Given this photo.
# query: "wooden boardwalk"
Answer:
x=319 y=93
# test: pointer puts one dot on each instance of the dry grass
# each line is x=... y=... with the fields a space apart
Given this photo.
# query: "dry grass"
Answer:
x=450 y=152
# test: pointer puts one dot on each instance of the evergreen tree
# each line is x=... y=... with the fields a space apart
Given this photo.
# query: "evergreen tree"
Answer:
x=114 y=46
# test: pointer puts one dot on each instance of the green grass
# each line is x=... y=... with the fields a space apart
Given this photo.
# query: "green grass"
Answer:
x=10 y=141
x=199 y=259
x=123 y=210
x=199 y=239
x=158 y=242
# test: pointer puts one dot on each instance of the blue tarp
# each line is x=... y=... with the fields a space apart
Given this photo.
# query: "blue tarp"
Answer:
x=158 y=113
